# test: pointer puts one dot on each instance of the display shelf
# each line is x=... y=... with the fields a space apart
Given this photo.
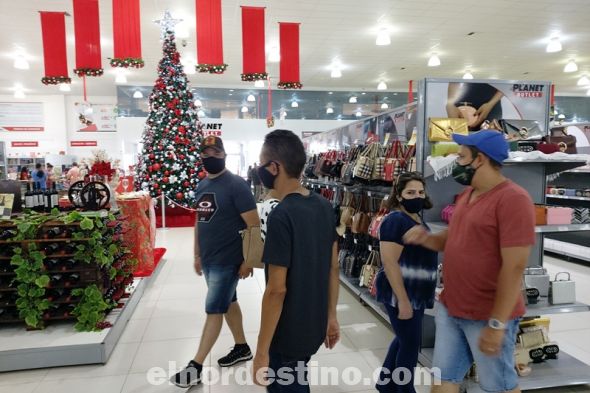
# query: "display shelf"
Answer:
x=544 y=308
x=574 y=198
x=567 y=249
x=551 y=166
x=372 y=190
x=439 y=225
x=564 y=371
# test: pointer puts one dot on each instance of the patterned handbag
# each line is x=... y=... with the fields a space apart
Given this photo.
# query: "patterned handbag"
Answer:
x=379 y=163
x=376 y=223
x=363 y=168
x=370 y=269
x=392 y=162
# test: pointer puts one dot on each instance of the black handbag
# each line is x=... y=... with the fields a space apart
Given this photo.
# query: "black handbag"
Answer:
x=522 y=129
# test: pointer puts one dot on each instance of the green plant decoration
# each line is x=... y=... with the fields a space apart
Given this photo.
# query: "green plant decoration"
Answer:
x=91 y=310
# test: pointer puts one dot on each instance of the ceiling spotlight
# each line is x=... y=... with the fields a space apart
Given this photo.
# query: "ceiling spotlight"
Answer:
x=353 y=100
x=384 y=106
x=583 y=81
x=330 y=110
x=137 y=94
x=383 y=38
x=294 y=104
x=120 y=78
x=64 y=87
x=244 y=109
x=19 y=94
x=554 y=45
x=571 y=66
x=259 y=83
x=561 y=117
x=434 y=60
x=21 y=63
x=358 y=114
x=198 y=103
x=201 y=113
x=336 y=73
x=330 y=92
x=190 y=69
x=274 y=55
x=468 y=75
x=251 y=98
x=382 y=86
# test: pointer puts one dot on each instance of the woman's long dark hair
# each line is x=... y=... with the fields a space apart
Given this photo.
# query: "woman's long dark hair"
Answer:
x=400 y=185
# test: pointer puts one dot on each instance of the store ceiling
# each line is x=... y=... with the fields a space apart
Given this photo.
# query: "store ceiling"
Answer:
x=509 y=41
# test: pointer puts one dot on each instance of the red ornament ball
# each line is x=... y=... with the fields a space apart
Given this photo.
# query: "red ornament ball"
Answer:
x=186 y=184
x=179 y=195
x=166 y=173
x=156 y=167
x=192 y=171
x=181 y=156
x=156 y=185
x=151 y=168
x=202 y=175
x=152 y=156
x=165 y=180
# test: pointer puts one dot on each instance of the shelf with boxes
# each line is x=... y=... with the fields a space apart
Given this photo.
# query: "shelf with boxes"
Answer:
x=62 y=267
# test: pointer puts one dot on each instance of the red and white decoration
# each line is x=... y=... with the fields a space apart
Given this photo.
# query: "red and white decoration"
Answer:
x=87 y=32
x=55 y=58
x=289 y=70
x=209 y=37
x=254 y=62
x=126 y=34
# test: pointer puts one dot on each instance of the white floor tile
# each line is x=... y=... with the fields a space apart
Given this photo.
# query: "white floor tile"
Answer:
x=370 y=335
x=21 y=377
x=161 y=353
x=174 y=328
x=20 y=388
x=134 y=331
x=139 y=383
x=86 y=385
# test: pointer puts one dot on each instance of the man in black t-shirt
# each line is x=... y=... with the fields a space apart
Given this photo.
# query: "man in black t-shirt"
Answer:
x=301 y=257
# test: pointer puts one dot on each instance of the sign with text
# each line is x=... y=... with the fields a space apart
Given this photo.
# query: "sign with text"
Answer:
x=212 y=129
x=21 y=116
x=24 y=144
x=83 y=143
x=95 y=117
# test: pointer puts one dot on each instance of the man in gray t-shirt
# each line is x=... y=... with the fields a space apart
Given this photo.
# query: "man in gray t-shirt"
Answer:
x=225 y=206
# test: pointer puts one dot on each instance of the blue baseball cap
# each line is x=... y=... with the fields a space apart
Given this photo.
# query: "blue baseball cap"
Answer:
x=489 y=142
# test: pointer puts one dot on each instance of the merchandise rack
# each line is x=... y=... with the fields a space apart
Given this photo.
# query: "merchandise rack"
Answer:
x=532 y=175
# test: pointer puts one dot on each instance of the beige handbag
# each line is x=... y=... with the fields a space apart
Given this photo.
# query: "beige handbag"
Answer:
x=370 y=269
x=252 y=247
x=442 y=129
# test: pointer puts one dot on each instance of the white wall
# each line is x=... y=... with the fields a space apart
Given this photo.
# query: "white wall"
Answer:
x=52 y=140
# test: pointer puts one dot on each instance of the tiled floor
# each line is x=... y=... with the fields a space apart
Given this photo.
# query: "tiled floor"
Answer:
x=167 y=324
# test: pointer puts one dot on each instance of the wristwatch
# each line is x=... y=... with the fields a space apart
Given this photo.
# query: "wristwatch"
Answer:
x=496 y=324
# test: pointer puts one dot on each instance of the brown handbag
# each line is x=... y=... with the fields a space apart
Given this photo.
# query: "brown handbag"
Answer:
x=361 y=220
x=566 y=142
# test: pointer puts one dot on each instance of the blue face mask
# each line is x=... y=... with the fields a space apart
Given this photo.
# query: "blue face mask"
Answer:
x=266 y=178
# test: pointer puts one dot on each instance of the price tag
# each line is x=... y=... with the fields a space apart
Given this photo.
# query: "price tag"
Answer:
x=356 y=241
x=370 y=248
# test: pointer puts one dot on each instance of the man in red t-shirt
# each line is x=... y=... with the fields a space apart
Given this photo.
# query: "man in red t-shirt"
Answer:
x=486 y=250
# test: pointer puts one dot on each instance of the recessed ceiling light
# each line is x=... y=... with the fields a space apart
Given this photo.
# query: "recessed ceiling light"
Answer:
x=231 y=90
x=120 y=78
x=19 y=94
x=198 y=103
x=64 y=87
x=383 y=38
x=329 y=110
x=382 y=86
x=358 y=114
x=583 y=81
x=259 y=83
x=251 y=98
x=294 y=104
x=561 y=117
x=137 y=94
x=244 y=109
x=336 y=73
x=571 y=66
x=20 y=62
x=230 y=94
x=384 y=106
x=363 y=93
x=588 y=92
x=352 y=100
x=468 y=75
x=330 y=92
x=190 y=69
x=201 y=113
x=434 y=60
x=554 y=45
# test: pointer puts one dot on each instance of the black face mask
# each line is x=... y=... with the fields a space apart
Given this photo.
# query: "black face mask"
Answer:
x=266 y=178
x=463 y=174
x=413 y=205
x=214 y=165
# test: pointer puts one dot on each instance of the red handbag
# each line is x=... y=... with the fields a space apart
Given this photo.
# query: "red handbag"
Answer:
x=393 y=162
x=376 y=223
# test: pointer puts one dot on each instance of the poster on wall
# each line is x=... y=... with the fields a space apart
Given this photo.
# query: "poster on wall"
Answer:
x=95 y=117
x=480 y=101
x=21 y=116
x=399 y=123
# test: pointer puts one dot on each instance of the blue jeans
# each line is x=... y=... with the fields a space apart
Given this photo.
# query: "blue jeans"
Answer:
x=222 y=281
x=457 y=347
x=292 y=372
x=403 y=351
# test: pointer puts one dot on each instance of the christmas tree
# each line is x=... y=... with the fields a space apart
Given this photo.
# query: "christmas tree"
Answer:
x=170 y=163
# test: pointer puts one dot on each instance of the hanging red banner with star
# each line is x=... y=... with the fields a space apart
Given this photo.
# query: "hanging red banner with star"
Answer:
x=87 y=32
x=126 y=34
x=209 y=37
x=253 y=58
x=289 y=70
x=55 y=57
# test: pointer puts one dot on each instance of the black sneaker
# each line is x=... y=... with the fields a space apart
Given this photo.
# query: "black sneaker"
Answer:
x=188 y=377
x=240 y=353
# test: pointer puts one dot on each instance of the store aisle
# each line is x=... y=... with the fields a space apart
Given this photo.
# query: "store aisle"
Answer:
x=167 y=324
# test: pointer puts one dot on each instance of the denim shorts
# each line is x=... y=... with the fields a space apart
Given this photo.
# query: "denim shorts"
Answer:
x=222 y=281
x=457 y=347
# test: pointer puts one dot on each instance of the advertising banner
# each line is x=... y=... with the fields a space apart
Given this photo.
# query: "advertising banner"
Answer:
x=21 y=116
x=95 y=117
x=24 y=144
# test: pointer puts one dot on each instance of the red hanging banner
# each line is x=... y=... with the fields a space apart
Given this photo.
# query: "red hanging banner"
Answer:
x=209 y=37
x=254 y=62
x=87 y=32
x=289 y=39
x=410 y=92
x=53 y=28
x=126 y=34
